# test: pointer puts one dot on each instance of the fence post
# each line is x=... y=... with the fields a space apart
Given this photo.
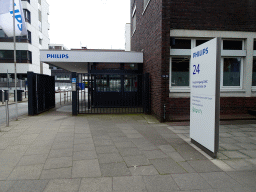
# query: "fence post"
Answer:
x=74 y=94
x=32 y=95
x=2 y=96
x=7 y=113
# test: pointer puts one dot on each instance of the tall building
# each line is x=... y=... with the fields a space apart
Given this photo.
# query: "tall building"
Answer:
x=166 y=31
x=28 y=47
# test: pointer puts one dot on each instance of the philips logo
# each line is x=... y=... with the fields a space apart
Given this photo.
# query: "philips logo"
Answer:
x=17 y=17
x=58 y=56
x=201 y=52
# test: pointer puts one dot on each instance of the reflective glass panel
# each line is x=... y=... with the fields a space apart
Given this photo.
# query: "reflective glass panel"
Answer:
x=254 y=73
x=130 y=83
x=180 y=71
x=231 y=71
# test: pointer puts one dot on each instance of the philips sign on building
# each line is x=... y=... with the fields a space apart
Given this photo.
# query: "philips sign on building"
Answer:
x=205 y=95
x=91 y=56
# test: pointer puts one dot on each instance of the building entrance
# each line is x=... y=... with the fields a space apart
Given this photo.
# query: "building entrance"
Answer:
x=111 y=93
x=104 y=81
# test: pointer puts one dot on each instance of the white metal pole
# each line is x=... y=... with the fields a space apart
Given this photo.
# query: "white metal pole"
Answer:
x=15 y=71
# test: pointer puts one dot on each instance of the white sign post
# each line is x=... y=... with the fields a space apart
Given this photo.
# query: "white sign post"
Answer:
x=205 y=96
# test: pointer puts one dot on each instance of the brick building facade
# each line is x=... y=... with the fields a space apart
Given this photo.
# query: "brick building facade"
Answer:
x=166 y=31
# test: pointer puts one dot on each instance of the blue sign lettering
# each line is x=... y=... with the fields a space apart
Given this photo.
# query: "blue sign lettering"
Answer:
x=17 y=17
x=201 y=52
x=58 y=56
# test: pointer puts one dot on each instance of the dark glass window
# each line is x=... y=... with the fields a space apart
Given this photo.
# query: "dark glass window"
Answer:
x=180 y=71
x=200 y=41
x=29 y=37
x=57 y=47
x=231 y=71
x=26 y=0
x=2 y=34
x=254 y=73
x=254 y=46
x=27 y=15
x=107 y=66
x=131 y=66
x=23 y=39
x=181 y=44
x=108 y=83
x=22 y=56
x=130 y=83
x=232 y=45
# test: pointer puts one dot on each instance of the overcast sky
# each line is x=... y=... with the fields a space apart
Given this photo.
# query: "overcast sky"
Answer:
x=95 y=24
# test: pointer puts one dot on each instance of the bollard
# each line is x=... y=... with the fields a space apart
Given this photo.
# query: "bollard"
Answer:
x=164 y=110
x=64 y=97
x=60 y=97
x=7 y=113
x=2 y=96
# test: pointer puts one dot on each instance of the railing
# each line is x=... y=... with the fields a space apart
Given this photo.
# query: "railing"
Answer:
x=67 y=96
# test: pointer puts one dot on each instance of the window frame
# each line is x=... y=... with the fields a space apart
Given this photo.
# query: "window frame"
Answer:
x=27 y=15
x=222 y=87
x=225 y=39
x=185 y=52
x=179 y=88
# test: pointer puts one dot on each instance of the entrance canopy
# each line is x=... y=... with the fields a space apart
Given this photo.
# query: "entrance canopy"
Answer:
x=78 y=60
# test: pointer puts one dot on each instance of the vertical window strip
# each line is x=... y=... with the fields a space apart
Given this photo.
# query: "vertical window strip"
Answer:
x=134 y=20
x=146 y=3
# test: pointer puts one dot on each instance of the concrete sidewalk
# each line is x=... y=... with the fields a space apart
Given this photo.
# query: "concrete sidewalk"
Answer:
x=55 y=151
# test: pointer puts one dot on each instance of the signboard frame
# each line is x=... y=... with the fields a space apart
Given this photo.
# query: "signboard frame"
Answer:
x=205 y=96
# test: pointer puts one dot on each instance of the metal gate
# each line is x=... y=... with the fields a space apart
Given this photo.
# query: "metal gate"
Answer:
x=41 y=93
x=112 y=93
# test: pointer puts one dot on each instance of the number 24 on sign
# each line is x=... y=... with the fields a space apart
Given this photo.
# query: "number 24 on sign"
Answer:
x=196 y=69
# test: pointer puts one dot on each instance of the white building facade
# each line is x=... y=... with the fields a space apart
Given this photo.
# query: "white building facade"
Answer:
x=28 y=47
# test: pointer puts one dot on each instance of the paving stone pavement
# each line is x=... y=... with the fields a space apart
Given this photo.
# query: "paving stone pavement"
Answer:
x=56 y=151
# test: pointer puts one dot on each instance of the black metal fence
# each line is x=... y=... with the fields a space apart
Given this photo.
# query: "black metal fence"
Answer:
x=41 y=93
x=113 y=93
